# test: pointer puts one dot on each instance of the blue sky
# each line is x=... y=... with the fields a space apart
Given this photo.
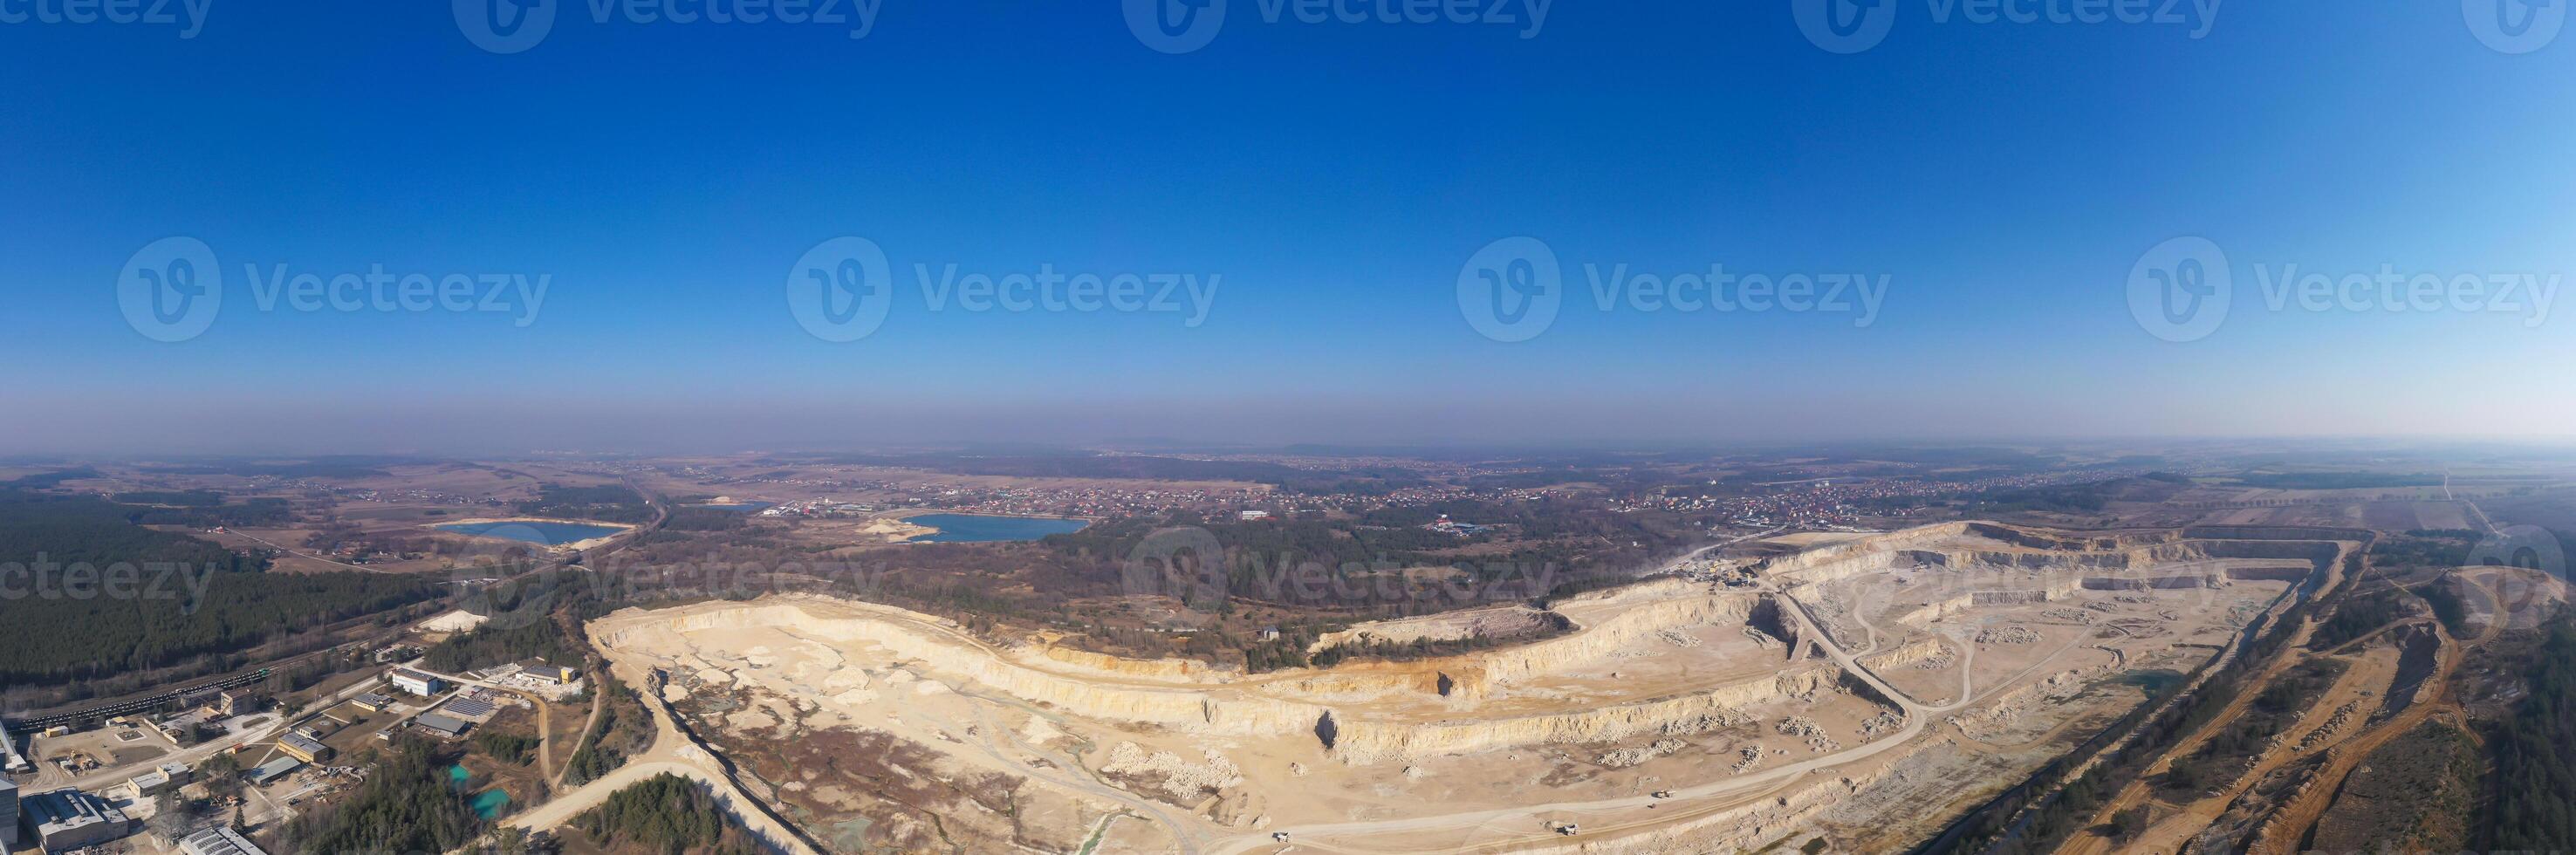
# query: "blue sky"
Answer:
x=664 y=177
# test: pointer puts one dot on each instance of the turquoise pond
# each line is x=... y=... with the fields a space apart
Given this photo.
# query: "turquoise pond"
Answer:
x=981 y=528
x=488 y=803
x=546 y=533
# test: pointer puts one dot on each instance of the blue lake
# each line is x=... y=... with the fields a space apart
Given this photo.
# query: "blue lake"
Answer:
x=979 y=528
x=547 y=533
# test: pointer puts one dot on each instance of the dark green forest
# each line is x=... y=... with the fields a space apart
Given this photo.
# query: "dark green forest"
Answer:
x=2534 y=806
x=157 y=599
x=406 y=805
x=665 y=813
x=606 y=503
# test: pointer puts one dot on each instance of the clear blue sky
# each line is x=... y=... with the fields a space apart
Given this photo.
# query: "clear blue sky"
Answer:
x=2004 y=177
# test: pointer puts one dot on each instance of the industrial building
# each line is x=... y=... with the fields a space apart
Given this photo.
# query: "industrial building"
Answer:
x=64 y=820
x=10 y=759
x=273 y=770
x=302 y=747
x=168 y=776
x=218 y=840
x=556 y=674
x=442 y=725
x=417 y=683
x=8 y=814
x=373 y=702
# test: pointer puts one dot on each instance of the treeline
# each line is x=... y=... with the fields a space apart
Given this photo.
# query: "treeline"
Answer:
x=406 y=805
x=56 y=640
x=507 y=747
x=2358 y=616
x=2535 y=751
x=2425 y=548
x=1428 y=648
x=704 y=519
x=668 y=814
x=607 y=503
x=2336 y=480
x=248 y=512
x=185 y=498
x=2081 y=498
x=497 y=642
x=75 y=529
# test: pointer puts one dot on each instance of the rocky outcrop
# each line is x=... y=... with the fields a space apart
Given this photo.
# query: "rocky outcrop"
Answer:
x=1361 y=741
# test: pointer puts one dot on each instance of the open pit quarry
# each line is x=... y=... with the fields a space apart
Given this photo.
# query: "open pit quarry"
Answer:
x=1864 y=692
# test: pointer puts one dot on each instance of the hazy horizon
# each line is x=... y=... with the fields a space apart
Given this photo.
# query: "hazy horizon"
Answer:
x=1690 y=224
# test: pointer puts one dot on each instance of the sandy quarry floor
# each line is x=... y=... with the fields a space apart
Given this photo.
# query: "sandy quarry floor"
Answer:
x=872 y=726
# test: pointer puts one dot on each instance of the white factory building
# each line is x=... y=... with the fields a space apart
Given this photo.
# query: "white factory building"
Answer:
x=68 y=819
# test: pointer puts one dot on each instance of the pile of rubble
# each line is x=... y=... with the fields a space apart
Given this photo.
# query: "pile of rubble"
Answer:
x=1886 y=721
x=2008 y=635
x=2342 y=716
x=1763 y=639
x=1175 y=776
x=2072 y=615
x=1752 y=755
x=1678 y=638
x=1808 y=729
x=1626 y=757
